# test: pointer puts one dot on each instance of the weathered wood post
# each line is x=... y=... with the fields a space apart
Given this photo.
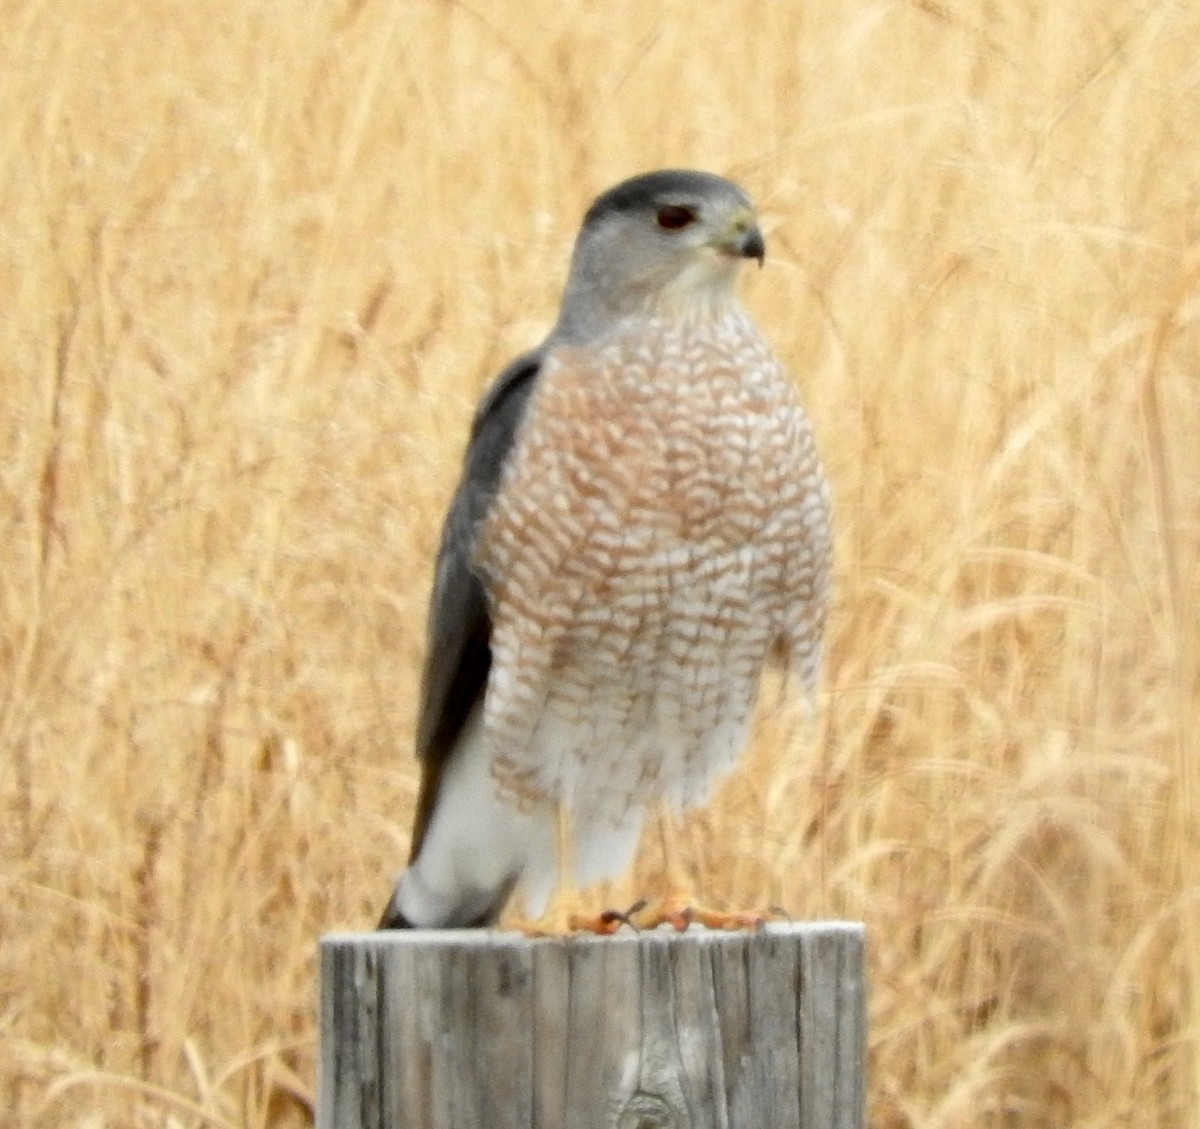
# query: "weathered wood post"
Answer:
x=699 y=1030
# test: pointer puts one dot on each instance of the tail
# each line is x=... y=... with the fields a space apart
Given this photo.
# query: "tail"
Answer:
x=463 y=916
x=392 y=917
x=469 y=849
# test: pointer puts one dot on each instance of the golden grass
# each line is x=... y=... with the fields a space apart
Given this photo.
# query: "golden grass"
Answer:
x=257 y=262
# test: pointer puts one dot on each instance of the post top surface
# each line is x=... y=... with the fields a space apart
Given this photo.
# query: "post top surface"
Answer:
x=493 y=938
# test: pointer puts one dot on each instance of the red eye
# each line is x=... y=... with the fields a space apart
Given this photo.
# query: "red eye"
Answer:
x=671 y=217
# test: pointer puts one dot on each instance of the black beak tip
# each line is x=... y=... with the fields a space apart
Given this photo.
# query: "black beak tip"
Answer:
x=753 y=246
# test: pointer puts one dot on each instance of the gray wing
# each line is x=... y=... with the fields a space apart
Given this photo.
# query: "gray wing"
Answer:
x=459 y=651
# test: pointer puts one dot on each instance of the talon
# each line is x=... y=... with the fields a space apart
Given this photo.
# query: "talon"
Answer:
x=602 y=925
x=625 y=917
x=608 y=923
x=681 y=920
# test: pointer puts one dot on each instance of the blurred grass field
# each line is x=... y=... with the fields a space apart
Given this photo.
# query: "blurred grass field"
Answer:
x=258 y=261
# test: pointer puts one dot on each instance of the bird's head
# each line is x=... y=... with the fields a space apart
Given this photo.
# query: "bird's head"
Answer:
x=664 y=243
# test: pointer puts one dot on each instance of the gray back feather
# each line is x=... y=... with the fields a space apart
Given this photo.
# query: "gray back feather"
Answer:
x=458 y=655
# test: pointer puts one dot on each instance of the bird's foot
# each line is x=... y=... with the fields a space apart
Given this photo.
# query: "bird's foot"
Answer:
x=680 y=911
x=602 y=924
x=569 y=923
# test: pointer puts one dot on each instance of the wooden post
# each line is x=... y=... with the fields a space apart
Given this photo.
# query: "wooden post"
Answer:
x=699 y=1030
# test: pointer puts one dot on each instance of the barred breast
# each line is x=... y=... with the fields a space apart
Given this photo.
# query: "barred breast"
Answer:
x=660 y=530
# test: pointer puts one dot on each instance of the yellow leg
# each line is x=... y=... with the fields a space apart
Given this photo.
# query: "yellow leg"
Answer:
x=674 y=905
x=676 y=883
x=565 y=898
x=563 y=914
x=678 y=906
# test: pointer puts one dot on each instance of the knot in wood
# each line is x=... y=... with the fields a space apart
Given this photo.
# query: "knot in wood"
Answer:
x=644 y=1110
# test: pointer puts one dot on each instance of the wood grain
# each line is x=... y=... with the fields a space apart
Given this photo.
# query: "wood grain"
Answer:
x=701 y=1030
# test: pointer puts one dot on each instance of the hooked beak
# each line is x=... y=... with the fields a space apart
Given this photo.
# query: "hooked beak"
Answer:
x=752 y=245
x=743 y=239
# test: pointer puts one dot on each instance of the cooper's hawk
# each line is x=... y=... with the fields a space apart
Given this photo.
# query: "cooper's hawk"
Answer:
x=642 y=523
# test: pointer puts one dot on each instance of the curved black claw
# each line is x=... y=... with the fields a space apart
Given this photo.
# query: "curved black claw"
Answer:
x=617 y=918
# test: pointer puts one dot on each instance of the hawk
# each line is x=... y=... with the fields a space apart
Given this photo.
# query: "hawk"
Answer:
x=641 y=525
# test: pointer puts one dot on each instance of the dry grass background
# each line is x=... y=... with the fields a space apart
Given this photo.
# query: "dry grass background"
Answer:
x=257 y=262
